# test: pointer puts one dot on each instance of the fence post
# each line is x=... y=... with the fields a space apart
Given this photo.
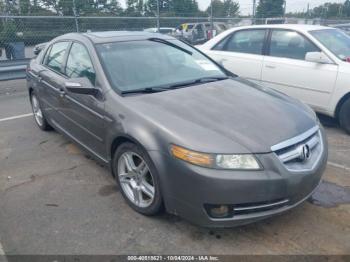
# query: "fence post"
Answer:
x=158 y=17
x=75 y=17
x=211 y=19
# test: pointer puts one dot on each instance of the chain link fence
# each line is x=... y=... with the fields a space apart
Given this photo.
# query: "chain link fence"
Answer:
x=19 y=34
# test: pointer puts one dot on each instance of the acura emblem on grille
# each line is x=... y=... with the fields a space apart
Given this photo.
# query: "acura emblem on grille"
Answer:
x=305 y=152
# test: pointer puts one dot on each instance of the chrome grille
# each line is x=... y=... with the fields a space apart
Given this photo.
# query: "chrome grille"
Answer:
x=301 y=153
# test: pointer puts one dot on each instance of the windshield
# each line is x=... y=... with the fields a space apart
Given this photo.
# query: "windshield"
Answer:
x=335 y=40
x=142 y=64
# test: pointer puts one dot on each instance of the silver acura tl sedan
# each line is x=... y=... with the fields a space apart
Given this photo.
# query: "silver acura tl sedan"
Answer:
x=178 y=131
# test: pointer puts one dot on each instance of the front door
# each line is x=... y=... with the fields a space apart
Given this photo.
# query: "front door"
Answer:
x=84 y=113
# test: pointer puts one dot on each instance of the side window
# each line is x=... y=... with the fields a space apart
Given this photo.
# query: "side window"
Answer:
x=44 y=58
x=55 y=57
x=246 y=41
x=79 y=63
x=200 y=31
x=221 y=45
x=290 y=44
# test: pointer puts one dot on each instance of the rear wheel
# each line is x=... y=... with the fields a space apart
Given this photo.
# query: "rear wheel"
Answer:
x=137 y=179
x=38 y=113
x=344 y=116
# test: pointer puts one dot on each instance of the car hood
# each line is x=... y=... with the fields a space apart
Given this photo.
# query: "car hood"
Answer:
x=229 y=116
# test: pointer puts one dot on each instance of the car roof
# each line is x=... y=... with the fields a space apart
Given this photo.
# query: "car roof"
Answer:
x=297 y=27
x=335 y=25
x=114 y=36
x=159 y=28
x=117 y=36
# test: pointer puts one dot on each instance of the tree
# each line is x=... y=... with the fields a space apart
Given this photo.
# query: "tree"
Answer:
x=346 y=8
x=226 y=8
x=2 y=7
x=151 y=7
x=172 y=7
x=51 y=5
x=330 y=10
x=270 y=8
x=134 y=8
x=231 y=8
x=24 y=7
x=185 y=8
x=114 y=7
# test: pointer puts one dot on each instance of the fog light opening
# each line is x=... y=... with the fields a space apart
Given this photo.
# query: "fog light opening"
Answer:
x=219 y=211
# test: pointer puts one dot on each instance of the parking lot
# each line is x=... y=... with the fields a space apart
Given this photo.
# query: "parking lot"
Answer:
x=54 y=199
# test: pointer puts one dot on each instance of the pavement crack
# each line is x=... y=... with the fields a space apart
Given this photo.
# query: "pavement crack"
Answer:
x=338 y=166
x=43 y=142
x=34 y=178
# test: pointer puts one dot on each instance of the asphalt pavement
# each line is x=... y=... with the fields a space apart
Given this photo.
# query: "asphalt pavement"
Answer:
x=54 y=199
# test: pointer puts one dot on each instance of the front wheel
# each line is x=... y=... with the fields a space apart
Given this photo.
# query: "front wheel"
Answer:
x=344 y=116
x=137 y=179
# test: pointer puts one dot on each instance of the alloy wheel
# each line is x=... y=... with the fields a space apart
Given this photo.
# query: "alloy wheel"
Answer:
x=136 y=179
x=38 y=115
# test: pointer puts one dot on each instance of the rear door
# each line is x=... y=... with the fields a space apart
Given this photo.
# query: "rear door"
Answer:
x=52 y=80
x=286 y=70
x=242 y=52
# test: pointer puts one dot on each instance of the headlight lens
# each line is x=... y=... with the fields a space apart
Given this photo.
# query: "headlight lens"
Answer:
x=243 y=162
x=237 y=162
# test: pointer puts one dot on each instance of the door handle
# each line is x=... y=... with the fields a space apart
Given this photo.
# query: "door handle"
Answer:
x=62 y=92
x=270 y=66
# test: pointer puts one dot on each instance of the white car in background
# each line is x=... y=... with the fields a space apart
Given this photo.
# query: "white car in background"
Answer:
x=308 y=62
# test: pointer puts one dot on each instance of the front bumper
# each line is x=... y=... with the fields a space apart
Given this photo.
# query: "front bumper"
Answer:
x=187 y=189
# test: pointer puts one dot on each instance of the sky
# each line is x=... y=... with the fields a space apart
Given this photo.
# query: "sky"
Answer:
x=247 y=5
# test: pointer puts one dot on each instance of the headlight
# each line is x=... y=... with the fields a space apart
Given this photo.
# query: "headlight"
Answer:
x=219 y=161
x=237 y=162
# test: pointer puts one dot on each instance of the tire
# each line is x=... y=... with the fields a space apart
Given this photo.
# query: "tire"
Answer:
x=138 y=179
x=344 y=116
x=39 y=116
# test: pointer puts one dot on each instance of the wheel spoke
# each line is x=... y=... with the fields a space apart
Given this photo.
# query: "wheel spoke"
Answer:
x=37 y=111
x=125 y=178
x=129 y=162
x=35 y=103
x=142 y=169
x=39 y=114
x=147 y=189
x=137 y=194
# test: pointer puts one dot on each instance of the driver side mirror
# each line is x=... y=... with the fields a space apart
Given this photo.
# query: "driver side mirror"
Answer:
x=318 y=57
x=81 y=86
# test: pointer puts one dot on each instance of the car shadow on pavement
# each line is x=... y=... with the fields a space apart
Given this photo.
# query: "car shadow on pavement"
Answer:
x=328 y=121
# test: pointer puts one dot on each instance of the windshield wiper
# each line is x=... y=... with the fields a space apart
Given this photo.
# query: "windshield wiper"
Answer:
x=163 y=41
x=157 y=89
x=197 y=81
x=145 y=90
